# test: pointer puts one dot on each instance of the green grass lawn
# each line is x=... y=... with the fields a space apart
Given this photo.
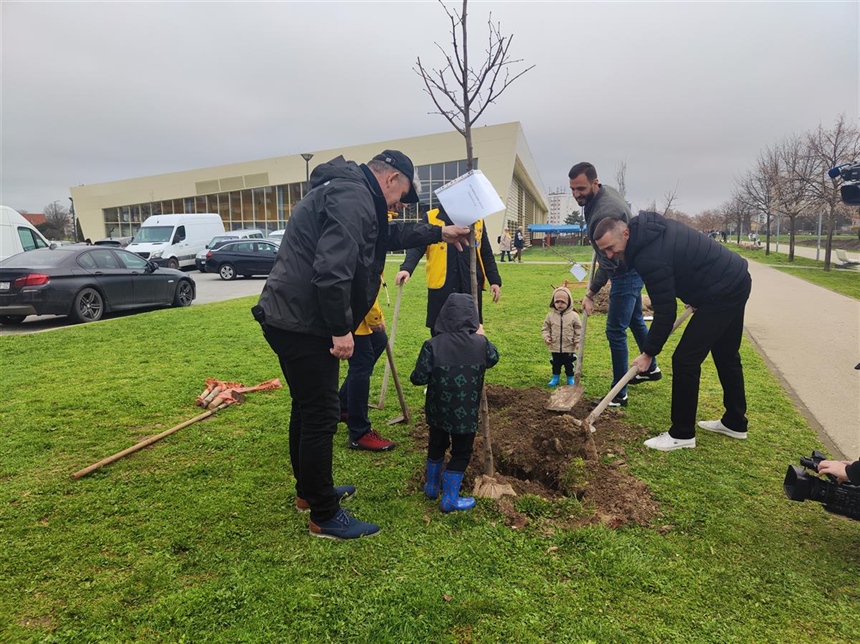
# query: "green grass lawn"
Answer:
x=195 y=539
x=846 y=282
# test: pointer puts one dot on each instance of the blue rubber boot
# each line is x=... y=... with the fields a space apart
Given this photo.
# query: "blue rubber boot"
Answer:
x=451 y=499
x=434 y=478
x=570 y=380
x=553 y=382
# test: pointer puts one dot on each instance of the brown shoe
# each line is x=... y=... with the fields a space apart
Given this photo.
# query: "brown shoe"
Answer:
x=372 y=442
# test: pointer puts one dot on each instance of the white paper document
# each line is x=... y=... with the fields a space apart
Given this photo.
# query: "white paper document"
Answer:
x=469 y=198
x=578 y=272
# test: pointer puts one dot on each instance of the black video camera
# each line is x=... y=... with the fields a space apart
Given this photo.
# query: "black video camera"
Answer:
x=850 y=189
x=799 y=485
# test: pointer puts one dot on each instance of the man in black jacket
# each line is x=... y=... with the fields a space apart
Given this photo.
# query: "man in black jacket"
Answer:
x=324 y=281
x=676 y=261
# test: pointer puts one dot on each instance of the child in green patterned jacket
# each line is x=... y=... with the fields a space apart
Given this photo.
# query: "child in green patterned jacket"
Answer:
x=452 y=365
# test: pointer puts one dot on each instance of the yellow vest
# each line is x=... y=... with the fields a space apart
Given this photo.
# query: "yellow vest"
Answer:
x=437 y=254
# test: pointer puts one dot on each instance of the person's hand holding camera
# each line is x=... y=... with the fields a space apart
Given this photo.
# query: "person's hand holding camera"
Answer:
x=835 y=468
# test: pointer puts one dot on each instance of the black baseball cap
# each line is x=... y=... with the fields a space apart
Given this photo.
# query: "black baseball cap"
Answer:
x=403 y=164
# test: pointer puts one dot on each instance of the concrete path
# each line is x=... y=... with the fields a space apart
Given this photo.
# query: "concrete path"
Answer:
x=810 y=337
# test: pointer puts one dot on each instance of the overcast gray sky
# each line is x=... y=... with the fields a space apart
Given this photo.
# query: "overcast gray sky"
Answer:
x=686 y=93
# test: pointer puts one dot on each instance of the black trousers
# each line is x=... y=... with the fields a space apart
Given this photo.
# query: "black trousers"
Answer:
x=720 y=334
x=461 y=448
x=559 y=360
x=312 y=376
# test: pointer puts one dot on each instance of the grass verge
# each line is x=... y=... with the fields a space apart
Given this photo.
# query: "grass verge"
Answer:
x=195 y=538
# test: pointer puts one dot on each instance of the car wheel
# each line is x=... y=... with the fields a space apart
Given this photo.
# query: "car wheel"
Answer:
x=173 y=263
x=89 y=306
x=12 y=319
x=184 y=294
x=227 y=272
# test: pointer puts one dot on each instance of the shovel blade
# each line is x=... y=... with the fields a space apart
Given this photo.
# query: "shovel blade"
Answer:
x=565 y=398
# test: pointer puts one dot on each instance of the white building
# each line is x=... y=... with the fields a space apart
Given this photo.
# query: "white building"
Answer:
x=261 y=194
x=561 y=204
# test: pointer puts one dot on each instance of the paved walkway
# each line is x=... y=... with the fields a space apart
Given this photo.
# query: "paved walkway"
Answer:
x=810 y=336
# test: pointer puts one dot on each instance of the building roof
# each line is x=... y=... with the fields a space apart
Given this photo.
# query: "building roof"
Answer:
x=35 y=218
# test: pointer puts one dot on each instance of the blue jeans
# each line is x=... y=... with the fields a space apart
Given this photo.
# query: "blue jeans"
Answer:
x=355 y=390
x=625 y=310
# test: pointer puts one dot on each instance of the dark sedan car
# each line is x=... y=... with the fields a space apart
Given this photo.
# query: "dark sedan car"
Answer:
x=243 y=257
x=85 y=282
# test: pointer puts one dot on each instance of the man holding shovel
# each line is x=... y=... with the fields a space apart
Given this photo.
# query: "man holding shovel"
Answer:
x=324 y=281
x=676 y=261
x=601 y=202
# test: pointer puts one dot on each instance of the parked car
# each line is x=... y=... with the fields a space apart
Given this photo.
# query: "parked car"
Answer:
x=219 y=240
x=245 y=257
x=85 y=282
x=114 y=242
x=277 y=235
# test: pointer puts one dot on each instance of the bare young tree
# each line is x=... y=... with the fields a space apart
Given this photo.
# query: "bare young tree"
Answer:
x=621 y=179
x=461 y=94
x=669 y=199
x=757 y=190
x=791 y=166
x=828 y=148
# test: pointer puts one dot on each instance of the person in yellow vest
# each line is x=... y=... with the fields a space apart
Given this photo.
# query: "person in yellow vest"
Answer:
x=448 y=269
x=370 y=340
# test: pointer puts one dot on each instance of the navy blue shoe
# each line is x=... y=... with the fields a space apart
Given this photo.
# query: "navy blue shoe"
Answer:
x=342 y=527
x=342 y=491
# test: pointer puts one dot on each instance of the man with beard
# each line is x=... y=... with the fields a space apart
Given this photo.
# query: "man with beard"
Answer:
x=676 y=261
x=601 y=202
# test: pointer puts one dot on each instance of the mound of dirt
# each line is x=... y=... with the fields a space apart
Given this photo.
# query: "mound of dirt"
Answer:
x=547 y=455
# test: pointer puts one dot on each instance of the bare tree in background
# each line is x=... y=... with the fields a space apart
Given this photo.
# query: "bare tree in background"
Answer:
x=57 y=221
x=828 y=148
x=621 y=179
x=461 y=94
x=791 y=166
x=669 y=199
x=757 y=191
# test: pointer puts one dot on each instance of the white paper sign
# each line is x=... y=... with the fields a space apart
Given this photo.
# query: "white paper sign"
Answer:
x=469 y=198
x=578 y=272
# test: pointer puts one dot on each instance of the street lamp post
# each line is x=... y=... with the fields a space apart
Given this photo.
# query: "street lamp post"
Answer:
x=74 y=220
x=307 y=156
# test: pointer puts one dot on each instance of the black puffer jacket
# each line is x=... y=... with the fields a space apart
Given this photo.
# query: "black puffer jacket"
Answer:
x=676 y=261
x=452 y=365
x=326 y=273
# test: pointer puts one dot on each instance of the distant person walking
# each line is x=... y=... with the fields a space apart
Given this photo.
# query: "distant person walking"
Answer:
x=519 y=244
x=505 y=242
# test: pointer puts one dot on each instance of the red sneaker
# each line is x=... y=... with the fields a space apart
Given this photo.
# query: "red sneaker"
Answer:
x=372 y=442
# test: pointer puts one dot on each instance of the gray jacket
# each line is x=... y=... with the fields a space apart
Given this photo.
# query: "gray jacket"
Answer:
x=607 y=203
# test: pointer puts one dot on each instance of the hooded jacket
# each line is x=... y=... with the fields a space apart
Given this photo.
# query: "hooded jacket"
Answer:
x=452 y=365
x=676 y=261
x=562 y=328
x=327 y=270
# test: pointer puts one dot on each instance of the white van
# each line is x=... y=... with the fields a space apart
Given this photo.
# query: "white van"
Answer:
x=219 y=240
x=17 y=234
x=175 y=240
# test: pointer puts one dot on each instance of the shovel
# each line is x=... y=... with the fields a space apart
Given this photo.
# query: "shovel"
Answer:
x=631 y=373
x=404 y=416
x=381 y=403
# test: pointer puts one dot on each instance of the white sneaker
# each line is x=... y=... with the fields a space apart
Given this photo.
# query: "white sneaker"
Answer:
x=666 y=443
x=718 y=427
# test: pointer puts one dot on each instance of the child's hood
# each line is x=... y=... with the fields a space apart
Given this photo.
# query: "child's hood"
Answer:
x=459 y=313
x=566 y=291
